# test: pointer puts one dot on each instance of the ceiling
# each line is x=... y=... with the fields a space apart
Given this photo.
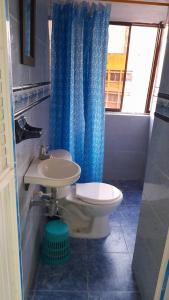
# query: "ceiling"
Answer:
x=128 y=12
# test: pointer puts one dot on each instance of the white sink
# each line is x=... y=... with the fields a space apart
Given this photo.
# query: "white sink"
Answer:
x=52 y=172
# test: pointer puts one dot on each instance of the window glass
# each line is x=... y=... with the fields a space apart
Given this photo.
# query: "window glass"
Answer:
x=116 y=60
x=129 y=66
x=139 y=66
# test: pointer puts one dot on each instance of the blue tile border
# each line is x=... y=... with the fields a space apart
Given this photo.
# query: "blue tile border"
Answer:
x=162 y=107
x=163 y=95
x=27 y=98
x=29 y=86
x=166 y=278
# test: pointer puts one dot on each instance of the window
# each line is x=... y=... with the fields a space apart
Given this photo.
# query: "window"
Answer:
x=129 y=76
x=106 y=76
x=50 y=36
x=113 y=100
x=114 y=76
x=130 y=66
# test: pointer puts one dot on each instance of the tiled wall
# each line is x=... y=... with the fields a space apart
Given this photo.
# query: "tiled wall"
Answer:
x=23 y=74
x=24 y=98
x=31 y=220
x=126 y=142
x=154 y=217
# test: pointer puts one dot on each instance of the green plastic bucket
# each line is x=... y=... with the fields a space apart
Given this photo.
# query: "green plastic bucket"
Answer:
x=55 y=248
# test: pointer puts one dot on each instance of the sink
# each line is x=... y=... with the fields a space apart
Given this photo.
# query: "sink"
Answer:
x=52 y=172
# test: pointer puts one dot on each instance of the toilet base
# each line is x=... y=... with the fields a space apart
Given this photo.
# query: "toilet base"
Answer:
x=98 y=228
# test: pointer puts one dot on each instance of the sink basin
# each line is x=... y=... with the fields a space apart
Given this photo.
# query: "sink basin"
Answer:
x=52 y=172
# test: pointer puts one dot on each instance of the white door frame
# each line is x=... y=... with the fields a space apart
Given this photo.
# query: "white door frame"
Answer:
x=162 y=288
x=10 y=264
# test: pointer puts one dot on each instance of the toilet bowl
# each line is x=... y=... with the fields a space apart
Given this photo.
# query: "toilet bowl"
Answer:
x=86 y=207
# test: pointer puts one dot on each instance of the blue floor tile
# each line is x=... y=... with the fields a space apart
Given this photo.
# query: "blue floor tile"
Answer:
x=78 y=245
x=110 y=272
x=129 y=233
x=128 y=185
x=71 y=276
x=132 y=198
x=129 y=215
x=115 y=242
x=99 y=267
x=114 y=296
x=60 y=296
x=115 y=217
x=94 y=296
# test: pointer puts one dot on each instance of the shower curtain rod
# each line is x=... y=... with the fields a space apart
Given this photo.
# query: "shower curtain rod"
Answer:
x=159 y=3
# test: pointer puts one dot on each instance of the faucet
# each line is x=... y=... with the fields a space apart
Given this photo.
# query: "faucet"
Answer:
x=43 y=153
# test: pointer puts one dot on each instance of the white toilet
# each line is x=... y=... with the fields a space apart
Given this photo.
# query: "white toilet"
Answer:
x=86 y=207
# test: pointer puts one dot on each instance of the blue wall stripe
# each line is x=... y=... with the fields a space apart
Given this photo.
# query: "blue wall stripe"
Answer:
x=166 y=277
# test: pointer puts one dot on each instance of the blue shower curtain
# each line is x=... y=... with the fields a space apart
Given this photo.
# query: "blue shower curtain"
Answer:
x=79 y=48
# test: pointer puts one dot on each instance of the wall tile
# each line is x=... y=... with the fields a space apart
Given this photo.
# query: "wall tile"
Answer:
x=31 y=220
x=24 y=98
x=163 y=107
x=126 y=143
x=14 y=8
x=164 y=87
x=154 y=220
x=145 y=270
x=23 y=74
x=159 y=147
x=20 y=73
x=124 y=165
x=152 y=231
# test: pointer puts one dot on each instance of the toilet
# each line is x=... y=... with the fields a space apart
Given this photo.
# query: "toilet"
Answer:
x=86 y=207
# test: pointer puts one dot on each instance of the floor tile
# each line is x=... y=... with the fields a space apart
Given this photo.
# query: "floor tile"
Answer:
x=98 y=269
x=114 y=296
x=128 y=185
x=94 y=296
x=115 y=242
x=110 y=272
x=78 y=245
x=132 y=198
x=71 y=276
x=130 y=237
x=129 y=215
x=60 y=296
x=126 y=215
x=30 y=297
x=115 y=217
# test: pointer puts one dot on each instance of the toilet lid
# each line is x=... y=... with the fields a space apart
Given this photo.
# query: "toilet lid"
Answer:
x=97 y=193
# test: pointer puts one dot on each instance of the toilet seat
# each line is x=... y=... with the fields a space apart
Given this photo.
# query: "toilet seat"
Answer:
x=97 y=193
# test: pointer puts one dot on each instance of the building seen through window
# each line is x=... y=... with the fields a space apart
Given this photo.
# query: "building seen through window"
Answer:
x=129 y=66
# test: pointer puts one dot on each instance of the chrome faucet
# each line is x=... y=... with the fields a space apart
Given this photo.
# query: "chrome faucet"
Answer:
x=43 y=153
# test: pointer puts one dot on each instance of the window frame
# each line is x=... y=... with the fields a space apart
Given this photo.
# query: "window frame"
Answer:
x=160 y=26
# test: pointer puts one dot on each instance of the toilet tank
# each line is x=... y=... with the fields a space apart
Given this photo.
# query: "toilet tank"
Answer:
x=60 y=153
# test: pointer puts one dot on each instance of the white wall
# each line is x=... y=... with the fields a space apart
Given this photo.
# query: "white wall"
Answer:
x=31 y=220
x=126 y=142
x=154 y=217
x=132 y=12
x=138 y=13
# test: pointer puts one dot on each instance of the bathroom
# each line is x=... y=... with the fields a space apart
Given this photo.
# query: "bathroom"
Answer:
x=135 y=161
